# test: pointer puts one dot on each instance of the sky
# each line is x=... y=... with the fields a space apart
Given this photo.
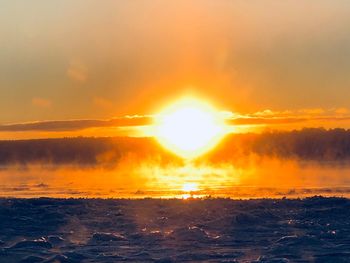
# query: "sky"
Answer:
x=93 y=60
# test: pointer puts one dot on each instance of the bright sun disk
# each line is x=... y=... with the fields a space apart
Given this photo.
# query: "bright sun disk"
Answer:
x=189 y=127
x=190 y=187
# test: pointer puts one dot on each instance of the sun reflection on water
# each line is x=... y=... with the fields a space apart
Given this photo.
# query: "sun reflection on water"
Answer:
x=266 y=178
x=190 y=180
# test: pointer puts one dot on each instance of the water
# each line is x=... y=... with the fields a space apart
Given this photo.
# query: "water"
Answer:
x=256 y=179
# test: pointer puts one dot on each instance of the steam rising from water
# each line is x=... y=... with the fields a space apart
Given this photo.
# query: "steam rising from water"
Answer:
x=297 y=163
x=258 y=178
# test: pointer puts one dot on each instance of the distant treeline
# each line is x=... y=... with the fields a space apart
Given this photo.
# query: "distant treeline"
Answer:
x=83 y=151
x=307 y=144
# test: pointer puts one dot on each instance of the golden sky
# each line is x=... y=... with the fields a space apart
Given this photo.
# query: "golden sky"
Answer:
x=98 y=60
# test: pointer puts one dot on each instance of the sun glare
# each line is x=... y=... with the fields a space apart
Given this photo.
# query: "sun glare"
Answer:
x=190 y=187
x=189 y=127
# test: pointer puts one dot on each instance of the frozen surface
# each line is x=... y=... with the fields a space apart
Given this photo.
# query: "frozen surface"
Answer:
x=315 y=229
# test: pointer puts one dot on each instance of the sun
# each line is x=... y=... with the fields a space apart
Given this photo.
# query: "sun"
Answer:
x=189 y=127
x=190 y=187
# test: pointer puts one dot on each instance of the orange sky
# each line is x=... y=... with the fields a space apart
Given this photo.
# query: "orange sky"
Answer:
x=93 y=60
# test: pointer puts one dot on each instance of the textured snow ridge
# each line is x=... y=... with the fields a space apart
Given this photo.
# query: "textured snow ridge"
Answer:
x=315 y=229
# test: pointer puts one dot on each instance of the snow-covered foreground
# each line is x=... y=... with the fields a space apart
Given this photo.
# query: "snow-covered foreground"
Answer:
x=153 y=230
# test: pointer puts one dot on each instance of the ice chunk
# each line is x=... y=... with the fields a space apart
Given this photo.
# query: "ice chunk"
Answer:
x=105 y=237
x=38 y=243
x=192 y=233
x=55 y=240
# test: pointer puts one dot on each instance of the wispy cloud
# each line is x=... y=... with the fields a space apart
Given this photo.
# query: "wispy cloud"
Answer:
x=41 y=102
x=307 y=112
x=73 y=125
x=77 y=71
x=102 y=103
x=270 y=117
x=299 y=118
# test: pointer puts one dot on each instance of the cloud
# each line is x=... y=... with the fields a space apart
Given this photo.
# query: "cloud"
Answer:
x=305 y=113
x=256 y=121
x=342 y=111
x=73 y=125
x=270 y=117
x=41 y=102
x=77 y=71
x=265 y=117
x=102 y=103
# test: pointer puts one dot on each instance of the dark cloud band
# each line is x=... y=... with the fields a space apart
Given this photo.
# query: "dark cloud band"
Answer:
x=73 y=125
x=132 y=121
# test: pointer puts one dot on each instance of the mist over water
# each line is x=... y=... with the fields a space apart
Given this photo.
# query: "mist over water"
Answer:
x=293 y=164
x=262 y=178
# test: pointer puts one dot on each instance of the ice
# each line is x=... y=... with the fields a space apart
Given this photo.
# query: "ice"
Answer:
x=55 y=240
x=37 y=244
x=192 y=233
x=105 y=237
